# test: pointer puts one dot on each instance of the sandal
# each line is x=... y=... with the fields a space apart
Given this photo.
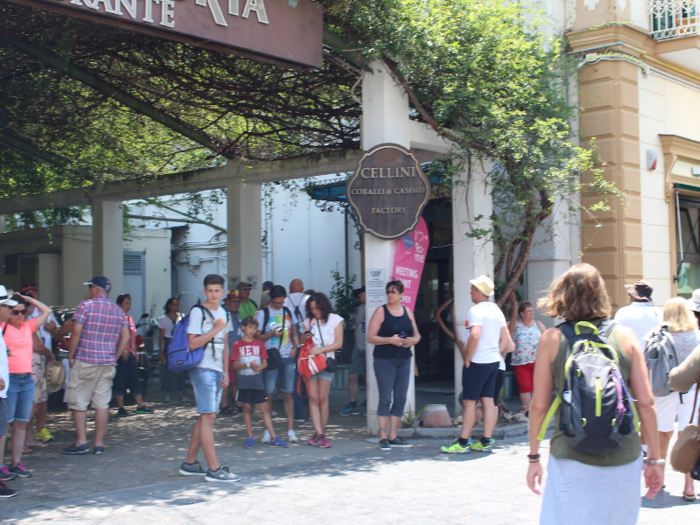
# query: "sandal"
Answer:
x=689 y=497
x=35 y=444
x=227 y=410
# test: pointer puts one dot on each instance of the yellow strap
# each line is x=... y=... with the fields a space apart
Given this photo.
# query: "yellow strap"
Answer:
x=577 y=330
x=548 y=417
x=598 y=397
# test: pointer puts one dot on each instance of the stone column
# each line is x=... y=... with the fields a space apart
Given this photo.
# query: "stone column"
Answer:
x=384 y=119
x=244 y=226
x=108 y=243
x=471 y=257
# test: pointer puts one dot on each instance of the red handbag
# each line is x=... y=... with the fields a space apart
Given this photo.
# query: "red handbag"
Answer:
x=307 y=364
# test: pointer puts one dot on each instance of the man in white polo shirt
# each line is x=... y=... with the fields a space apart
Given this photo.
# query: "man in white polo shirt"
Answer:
x=641 y=316
x=488 y=339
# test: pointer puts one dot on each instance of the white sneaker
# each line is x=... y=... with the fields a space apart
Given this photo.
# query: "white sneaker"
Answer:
x=292 y=437
x=185 y=400
x=266 y=437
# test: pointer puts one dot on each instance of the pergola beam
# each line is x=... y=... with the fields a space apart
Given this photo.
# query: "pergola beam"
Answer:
x=190 y=181
x=112 y=91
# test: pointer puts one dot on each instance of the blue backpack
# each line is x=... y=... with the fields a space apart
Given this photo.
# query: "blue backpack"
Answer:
x=180 y=357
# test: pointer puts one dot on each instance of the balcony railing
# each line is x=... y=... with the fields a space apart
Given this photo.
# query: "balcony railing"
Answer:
x=674 y=18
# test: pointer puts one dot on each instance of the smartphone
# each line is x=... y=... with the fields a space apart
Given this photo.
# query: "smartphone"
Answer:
x=403 y=335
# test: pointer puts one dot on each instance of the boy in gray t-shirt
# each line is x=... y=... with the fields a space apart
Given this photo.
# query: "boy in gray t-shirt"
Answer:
x=249 y=359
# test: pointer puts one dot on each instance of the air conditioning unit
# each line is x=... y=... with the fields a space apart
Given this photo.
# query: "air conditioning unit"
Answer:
x=41 y=269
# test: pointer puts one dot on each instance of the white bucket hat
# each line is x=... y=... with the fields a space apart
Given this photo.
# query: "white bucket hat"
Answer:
x=484 y=285
x=5 y=297
x=694 y=303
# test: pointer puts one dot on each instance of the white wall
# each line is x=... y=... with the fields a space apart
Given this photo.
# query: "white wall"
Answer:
x=306 y=243
x=664 y=108
x=156 y=244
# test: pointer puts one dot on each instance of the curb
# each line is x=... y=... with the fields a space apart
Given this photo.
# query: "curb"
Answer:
x=507 y=432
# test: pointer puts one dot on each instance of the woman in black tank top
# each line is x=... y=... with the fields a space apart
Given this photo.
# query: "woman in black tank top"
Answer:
x=393 y=331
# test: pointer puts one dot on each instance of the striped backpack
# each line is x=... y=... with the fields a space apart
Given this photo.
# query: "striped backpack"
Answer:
x=596 y=411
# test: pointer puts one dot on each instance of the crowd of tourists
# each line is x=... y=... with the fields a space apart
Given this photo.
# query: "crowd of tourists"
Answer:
x=612 y=416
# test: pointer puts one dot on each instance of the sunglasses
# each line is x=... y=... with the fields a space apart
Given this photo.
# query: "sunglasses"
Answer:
x=246 y=288
x=391 y=292
x=18 y=312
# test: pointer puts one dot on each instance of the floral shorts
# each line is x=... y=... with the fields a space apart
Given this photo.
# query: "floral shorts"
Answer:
x=39 y=371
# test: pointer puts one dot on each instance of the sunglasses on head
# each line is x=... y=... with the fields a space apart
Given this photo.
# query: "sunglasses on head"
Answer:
x=18 y=312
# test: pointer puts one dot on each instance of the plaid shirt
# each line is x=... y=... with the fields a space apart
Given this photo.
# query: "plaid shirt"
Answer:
x=102 y=320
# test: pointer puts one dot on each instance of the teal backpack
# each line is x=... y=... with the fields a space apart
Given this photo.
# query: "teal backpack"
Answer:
x=596 y=410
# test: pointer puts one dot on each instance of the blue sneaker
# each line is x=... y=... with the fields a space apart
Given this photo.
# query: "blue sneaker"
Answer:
x=277 y=442
x=350 y=411
x=249 y=442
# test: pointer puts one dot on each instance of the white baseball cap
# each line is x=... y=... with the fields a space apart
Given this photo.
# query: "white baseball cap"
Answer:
x=5 y=297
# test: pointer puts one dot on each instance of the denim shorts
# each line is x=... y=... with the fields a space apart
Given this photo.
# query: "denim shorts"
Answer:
x=358 y=363
x=323 y=374
x=20 y=397
x=285 y=373
x=207 y=391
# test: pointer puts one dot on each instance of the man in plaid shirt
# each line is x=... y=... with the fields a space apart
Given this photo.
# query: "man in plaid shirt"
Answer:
x=100 y=335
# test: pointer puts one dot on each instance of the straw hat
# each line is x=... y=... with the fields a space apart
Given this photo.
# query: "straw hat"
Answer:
x=55 y=376
x=484 y=285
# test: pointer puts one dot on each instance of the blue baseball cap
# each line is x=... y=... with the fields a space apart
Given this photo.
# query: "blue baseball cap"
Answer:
x=101 y=282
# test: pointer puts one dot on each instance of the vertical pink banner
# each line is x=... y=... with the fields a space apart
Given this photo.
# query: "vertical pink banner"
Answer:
x=409 y=260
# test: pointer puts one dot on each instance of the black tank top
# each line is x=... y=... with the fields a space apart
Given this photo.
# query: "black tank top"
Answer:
x=390 y=327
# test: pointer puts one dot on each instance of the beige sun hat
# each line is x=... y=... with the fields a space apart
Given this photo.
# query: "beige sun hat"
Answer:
x=55 y=376
x=484 y=285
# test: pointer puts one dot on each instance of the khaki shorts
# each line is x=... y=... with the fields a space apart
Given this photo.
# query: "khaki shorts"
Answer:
x=39 y=371
x=89 y=383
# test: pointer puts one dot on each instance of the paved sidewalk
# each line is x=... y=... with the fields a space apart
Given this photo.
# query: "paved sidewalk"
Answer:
x=353 y=482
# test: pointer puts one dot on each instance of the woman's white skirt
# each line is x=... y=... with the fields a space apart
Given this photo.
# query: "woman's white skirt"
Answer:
x=577 y=494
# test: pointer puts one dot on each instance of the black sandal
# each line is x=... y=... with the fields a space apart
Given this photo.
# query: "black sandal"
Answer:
x=227 y=410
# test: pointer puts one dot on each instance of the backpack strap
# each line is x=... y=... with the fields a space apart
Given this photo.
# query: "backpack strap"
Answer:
x=211 y=316
x=266 y=318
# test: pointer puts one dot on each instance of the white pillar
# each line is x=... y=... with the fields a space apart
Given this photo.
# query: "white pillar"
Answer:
x=471 y=257
x=244 y=226
x=108 y=243
x=384 y=119
x=553 y=252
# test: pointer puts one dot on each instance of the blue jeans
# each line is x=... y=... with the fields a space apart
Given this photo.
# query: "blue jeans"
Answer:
x=169 y=374
x=286 y=374
x=20 y=397
x=207 y=391
x=128 y=371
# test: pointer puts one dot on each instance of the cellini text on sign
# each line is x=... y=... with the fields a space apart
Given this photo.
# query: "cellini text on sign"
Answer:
x=388 y=190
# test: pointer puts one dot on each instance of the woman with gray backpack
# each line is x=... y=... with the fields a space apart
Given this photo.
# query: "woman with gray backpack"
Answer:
x=680 y=322
x=602 y=398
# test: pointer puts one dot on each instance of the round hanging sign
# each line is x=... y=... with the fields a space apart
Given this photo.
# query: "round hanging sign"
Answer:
x=388 y=191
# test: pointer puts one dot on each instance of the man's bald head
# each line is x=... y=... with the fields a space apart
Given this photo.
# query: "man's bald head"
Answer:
x=296 y=286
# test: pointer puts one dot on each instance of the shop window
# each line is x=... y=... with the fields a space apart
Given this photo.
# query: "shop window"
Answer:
x=688 y=245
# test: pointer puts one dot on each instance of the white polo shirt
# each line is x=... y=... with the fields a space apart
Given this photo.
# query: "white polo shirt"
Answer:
x=641 y=318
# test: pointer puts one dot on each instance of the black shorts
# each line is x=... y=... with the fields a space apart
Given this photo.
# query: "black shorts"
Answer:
x=251 y=397
x=479 y=380
x=500 y=379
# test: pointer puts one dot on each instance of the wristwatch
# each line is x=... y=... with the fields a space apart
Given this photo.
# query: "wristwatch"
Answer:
x=660 y=462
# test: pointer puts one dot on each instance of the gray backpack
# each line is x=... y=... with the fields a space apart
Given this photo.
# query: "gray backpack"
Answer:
x=596 y=411
x=661 y=357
